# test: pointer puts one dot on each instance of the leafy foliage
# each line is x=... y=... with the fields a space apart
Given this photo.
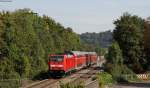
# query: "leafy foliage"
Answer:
x=129 y=35
x=114 y=63
x=26 y=39
x=115 y=54
x=104 y=79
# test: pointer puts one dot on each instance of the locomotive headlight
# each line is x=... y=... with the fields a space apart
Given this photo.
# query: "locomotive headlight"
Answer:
x=60 y=65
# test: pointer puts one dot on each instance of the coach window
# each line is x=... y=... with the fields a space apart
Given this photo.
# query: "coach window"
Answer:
x=60 y=58
x=57 y=58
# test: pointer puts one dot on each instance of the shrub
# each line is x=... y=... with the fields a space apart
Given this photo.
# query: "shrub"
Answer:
x=104 y=78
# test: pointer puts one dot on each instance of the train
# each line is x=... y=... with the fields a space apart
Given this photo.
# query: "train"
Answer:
x=69 y=61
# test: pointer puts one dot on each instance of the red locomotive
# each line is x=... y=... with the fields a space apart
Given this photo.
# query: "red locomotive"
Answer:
x=59 y=64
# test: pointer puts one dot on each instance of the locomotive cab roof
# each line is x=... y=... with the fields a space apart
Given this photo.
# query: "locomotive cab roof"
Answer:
x=83 y=53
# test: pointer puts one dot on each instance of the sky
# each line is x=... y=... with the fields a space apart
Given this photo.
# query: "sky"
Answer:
x=82 y=15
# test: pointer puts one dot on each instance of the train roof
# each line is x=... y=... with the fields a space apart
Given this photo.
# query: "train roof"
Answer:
x=74 y=53
x=83 y=53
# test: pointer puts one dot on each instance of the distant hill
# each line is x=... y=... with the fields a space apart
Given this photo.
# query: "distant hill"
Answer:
x=103 y=39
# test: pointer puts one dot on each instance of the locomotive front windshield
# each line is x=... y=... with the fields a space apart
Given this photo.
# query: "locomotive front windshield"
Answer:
x=56 y=58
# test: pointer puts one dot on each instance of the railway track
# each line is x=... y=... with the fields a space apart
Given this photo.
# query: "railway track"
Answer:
x=76 y=77
x=93 y=84
x=84 y=78
x=54 y=83
x=42 y=84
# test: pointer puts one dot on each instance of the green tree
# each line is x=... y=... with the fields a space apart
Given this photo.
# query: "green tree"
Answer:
x=26 y=39
x=115 y=64
x=129 y=35
x=104 y=79
x=115 y=54
x=115 y=61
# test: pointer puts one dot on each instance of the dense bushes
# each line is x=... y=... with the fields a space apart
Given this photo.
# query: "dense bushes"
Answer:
x=114 y=63
x=104 y=79
x=26 y=39
x=129 y=35
x=126 y=55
